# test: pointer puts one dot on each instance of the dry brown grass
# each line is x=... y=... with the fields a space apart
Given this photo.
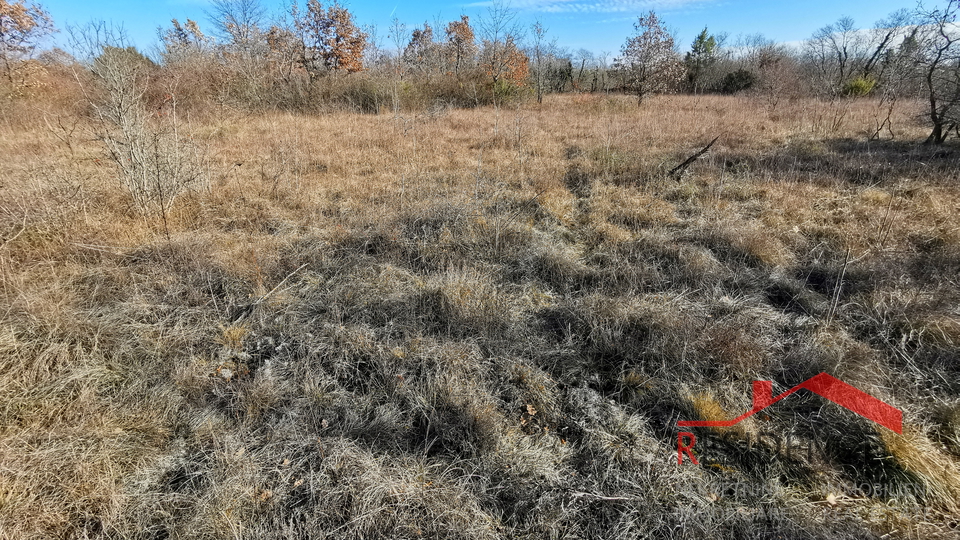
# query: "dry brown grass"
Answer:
x=472 y=323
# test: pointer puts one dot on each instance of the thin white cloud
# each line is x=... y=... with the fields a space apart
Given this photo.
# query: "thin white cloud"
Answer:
x=597 y=6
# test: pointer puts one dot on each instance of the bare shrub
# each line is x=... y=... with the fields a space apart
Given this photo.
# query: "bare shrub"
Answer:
x=156 y=158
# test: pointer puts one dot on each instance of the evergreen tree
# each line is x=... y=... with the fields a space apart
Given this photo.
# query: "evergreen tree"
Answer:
x=702 y=57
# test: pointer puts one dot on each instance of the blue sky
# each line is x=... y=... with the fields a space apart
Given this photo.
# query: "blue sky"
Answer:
x=597 y=25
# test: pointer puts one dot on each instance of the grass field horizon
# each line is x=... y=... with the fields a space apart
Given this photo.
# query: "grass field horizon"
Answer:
x=479 y=323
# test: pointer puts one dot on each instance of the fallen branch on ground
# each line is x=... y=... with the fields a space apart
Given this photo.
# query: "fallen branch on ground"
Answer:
x=678 y=170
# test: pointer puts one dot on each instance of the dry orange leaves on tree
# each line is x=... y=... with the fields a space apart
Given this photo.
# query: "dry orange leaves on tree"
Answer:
x=331 y=40
x=21 y=25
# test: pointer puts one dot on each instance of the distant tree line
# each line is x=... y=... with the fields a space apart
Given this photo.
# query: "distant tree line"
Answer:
x=316 y=55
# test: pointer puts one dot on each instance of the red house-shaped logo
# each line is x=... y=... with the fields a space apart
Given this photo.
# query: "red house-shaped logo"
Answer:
x=825 y=385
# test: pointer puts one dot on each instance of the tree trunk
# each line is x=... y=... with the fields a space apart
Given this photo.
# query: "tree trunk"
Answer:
x=939 y=134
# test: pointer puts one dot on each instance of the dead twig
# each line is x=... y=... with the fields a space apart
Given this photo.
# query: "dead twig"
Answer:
x=677 y=171
x=238 y=313
x=601 y=497
x=284 y=280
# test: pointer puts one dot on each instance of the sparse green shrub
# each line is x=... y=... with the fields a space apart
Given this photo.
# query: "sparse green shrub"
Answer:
x=738 y=81
x=859 y=87
x=505 y=91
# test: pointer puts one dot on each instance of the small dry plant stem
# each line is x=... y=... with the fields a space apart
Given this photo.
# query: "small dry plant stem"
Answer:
x=886 y=224
x=519 y=125
x=839 y=287
x=3 y=258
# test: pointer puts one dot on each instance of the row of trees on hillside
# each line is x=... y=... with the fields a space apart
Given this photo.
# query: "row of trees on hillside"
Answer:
x=839 y=59
x=909 y=54
x=307 y=56
x=315 y=54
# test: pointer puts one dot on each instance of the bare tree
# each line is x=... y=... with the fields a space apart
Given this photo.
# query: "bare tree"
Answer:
x=286 y=52
x=539 y=46
x=835 y=49
x=753 y=48
x=242 y=51
x=239 y=21
x=648 y=61
x=399 y=36
x=938 y=53
x=374 y=53
x=843 y=54
x=582 y=59
x=182 y=41
x=500 y=57
x=886 y=35
x=600 y=82
x=759 y=64
x=422 y=52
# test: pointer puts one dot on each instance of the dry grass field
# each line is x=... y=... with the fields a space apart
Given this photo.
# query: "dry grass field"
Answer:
x=480 y=324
